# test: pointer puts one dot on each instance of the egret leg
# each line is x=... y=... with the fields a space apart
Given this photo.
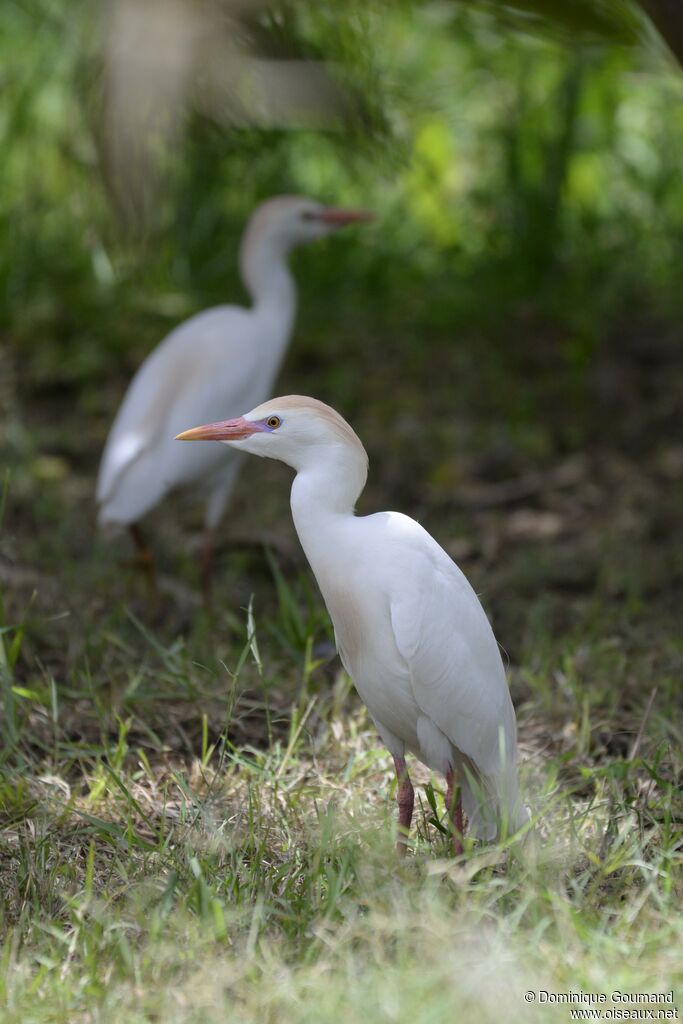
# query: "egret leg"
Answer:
x=454 y=812
x=144 y=557
x=406 y=800
x=206 y=561
x=217 y=499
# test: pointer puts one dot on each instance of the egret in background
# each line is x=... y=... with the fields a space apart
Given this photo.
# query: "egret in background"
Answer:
x=221 y=360
x=409 y=628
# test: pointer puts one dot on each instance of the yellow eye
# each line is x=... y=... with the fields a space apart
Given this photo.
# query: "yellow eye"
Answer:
x=274 y=421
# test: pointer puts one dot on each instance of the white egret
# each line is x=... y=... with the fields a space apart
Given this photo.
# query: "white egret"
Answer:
x=409 y=628
x=219 y=361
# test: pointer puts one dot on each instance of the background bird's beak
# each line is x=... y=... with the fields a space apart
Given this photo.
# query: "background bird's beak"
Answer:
x=225 y=430
x=337 y=216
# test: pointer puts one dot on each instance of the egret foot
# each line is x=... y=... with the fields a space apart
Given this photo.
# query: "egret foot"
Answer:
x=406 y=800
x=454 y=813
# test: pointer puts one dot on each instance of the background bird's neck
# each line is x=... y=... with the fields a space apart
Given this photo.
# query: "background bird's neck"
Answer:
x=323 y=497
x=269 y=280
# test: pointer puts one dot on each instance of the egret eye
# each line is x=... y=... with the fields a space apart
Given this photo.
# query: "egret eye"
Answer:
x=273 y=422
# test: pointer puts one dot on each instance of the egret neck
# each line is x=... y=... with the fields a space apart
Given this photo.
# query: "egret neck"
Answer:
x=268 y=279
x=328 y=483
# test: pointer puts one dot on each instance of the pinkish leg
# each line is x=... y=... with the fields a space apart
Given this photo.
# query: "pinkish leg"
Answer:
x=144 y=559
x=406 y=799
x=206 y=563
x=454 y=813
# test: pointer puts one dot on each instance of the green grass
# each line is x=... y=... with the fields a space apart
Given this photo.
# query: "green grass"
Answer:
x=263 y=883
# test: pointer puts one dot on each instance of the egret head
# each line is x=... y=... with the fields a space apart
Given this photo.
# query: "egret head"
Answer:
x=286 y=221
x=279 y=225
x=295 y=429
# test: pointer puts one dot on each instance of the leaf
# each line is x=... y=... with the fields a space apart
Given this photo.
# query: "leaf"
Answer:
x=21 y=691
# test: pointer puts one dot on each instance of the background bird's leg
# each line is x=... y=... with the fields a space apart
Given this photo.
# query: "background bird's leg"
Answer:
x=217 y=499
x=206 y=560
x=406 y=799
x=454 y=811
x=144 y=557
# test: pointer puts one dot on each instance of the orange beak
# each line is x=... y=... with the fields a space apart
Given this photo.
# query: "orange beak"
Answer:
x=224 y=430
x=338 y=217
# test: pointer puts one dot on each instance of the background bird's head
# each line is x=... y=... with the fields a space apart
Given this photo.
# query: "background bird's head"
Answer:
x=278 y=226
x=283 y=222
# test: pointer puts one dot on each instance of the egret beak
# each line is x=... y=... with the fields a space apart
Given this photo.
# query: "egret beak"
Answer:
x=338 y=217
x=225 y=430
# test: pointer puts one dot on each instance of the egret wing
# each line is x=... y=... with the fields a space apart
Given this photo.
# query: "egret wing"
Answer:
x=202 y=369
x=458 y=679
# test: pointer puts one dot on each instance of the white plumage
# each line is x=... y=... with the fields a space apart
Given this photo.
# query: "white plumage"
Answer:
x=217 y=362
x=409 y=628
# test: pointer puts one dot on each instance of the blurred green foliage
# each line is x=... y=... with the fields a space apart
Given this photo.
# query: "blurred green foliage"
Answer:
x=509 y=171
